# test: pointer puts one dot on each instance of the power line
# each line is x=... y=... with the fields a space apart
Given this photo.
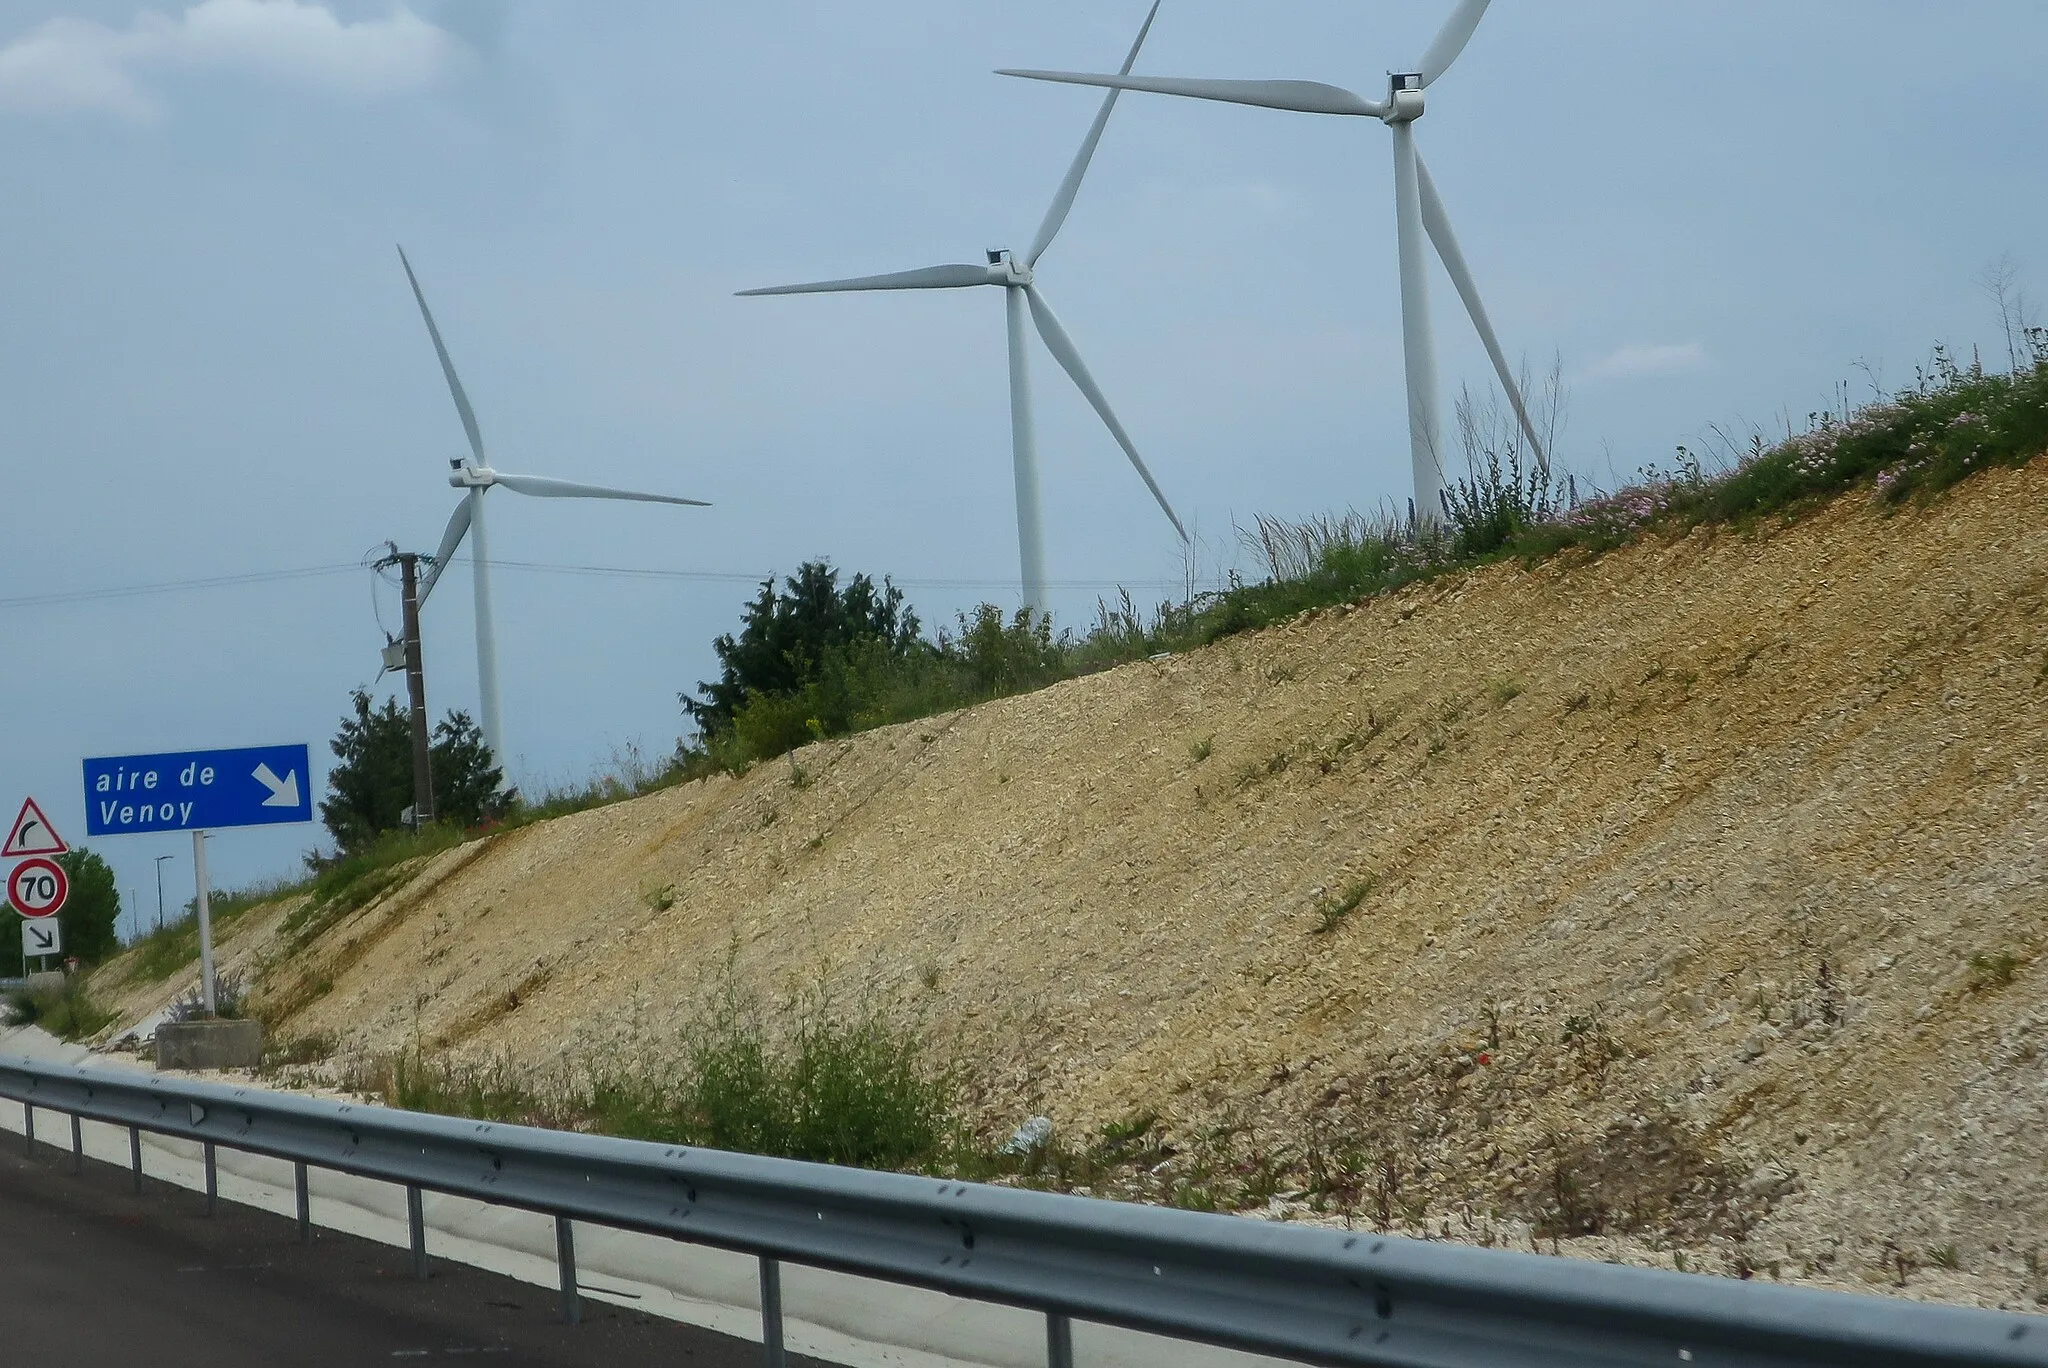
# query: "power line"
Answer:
x=69 y=596
x=733 y=577
x=176 y=586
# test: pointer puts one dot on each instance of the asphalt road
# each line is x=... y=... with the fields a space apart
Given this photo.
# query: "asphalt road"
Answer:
x=92 y=1275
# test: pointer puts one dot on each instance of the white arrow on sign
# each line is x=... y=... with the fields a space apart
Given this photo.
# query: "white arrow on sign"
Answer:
x=42 y=936
x=283 y=792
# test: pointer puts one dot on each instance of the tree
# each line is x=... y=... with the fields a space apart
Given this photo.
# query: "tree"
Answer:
x=371 y=787
x=468 y=788
x=91 y=914
x=795 y=638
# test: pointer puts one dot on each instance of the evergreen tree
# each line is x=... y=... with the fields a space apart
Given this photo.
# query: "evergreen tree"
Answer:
x=468 y=788
x=371 y=787
x=790 y=639
x=92 y=912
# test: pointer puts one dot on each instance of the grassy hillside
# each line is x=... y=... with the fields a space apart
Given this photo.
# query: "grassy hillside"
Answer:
x=1681 y=903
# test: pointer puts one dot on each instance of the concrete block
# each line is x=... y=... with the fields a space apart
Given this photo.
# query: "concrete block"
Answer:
x=209 y=1044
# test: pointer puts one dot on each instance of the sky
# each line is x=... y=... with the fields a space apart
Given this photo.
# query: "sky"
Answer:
x=1708 y=216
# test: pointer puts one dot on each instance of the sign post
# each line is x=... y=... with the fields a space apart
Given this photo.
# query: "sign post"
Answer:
x=198 y=791
x=205 y=911
x=38 y=886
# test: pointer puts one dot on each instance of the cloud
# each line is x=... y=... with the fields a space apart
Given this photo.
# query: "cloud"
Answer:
x=1648 y=361
x=81 y=66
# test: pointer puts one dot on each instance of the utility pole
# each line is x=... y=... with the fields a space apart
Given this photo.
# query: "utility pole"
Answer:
x=160 y=889
x=408 y=564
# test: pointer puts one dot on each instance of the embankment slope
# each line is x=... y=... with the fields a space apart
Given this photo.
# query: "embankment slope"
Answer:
x=1704 y=881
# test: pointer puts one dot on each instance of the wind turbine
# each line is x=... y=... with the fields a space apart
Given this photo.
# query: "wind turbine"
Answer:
x=1418 y=209
x=476 y=477
x=1022 y=293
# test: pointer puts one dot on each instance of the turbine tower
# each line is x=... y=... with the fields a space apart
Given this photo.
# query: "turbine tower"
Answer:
x=474 y=476
x=1418 y=211
x=1023 y=295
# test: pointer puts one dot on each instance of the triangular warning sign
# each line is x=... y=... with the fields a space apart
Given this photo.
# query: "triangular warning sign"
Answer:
x=32 y=834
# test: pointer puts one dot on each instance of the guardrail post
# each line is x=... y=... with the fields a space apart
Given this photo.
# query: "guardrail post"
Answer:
x=77 y=1144
x=305 y=1201
x=212 y=1179
x=416 y=1218
x=135 y=1157
x=771 y=1314
x=28 y=1127
x=1059 y=1341
x=565 y=1262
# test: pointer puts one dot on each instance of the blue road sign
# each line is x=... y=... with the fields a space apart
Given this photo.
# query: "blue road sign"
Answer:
x=197 y=790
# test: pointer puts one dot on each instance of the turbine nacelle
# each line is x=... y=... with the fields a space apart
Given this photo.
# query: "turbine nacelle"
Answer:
x=1005 y=269
x=469 y=475
x=1404 y=98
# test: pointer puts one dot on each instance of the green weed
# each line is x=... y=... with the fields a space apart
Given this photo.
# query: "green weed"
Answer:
x=67 y=1011
x=230 y=999
x=281 y=1052
x=1331 y=912
x=1994 y=970
x=161 y=952
x=349 y=883
x=803 y=1080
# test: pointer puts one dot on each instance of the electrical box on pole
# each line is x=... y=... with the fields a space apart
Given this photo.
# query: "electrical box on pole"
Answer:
x=404 y=654
x=416 y=691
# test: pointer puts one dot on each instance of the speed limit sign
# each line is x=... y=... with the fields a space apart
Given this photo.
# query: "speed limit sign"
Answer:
x=38 y=887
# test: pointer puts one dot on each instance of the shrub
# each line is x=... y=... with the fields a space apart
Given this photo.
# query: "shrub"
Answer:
x=68 y=1012
x=808 y=1081
x=1953 y=422
x=286 y=1051
x=834 y=1087
x=1510 y=485
x=230 y=999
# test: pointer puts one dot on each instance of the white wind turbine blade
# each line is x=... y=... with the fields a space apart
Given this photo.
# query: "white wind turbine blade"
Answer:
x=1451 y=39
x=542 y=487
x=926 y=278
x=1063 y=201
x=1438 y=225
x=1305 y=97
x=1062 y=348
x=476 y=437
x=451 y=540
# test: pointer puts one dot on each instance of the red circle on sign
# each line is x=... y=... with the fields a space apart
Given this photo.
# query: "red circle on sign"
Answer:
x=38 y=887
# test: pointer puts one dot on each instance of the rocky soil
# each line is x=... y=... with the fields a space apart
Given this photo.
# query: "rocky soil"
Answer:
x=1682 y=906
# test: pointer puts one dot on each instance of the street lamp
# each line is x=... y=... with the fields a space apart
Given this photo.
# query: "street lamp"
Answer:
x=160 y=889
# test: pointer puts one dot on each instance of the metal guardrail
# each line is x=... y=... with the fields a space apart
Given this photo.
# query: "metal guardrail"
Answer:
x=1319 y=1296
